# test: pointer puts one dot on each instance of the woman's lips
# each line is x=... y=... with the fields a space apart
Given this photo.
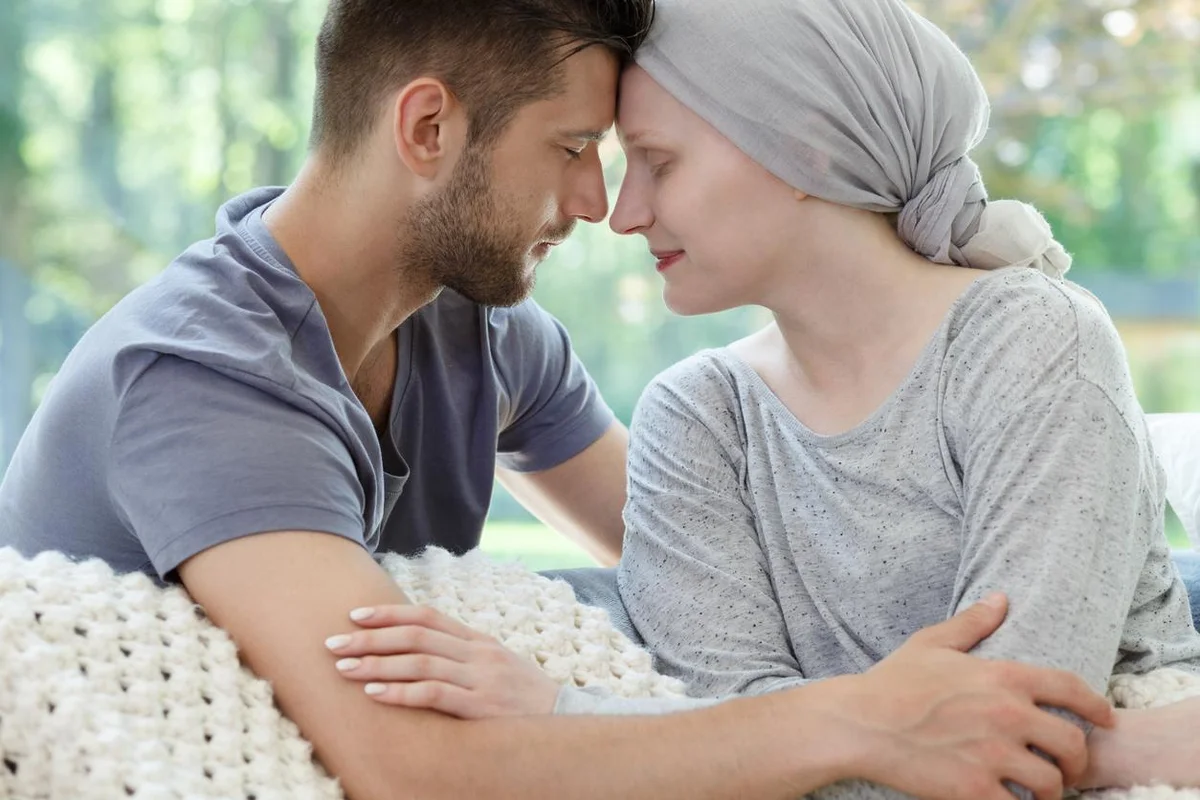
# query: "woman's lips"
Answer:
x=665 y=260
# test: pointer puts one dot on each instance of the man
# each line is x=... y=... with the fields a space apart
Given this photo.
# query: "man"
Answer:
x=339 y=371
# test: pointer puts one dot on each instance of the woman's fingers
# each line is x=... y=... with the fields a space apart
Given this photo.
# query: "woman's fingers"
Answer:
x=432 y=695
x=397 y=615
x=400 y=640
x=414 y=667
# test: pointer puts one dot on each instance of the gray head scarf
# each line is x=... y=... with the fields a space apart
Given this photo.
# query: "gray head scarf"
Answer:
x=859 y=102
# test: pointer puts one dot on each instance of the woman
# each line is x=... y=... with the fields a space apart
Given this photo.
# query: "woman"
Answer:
x=934 y=415
x=922 y=424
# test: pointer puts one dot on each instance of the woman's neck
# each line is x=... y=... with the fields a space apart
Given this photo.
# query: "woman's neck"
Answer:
x=861 y=303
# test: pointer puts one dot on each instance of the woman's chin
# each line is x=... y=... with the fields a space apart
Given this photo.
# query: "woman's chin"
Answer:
x=690 y=304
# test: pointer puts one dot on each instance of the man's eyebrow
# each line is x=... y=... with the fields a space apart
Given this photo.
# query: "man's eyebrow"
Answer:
x=586 y=136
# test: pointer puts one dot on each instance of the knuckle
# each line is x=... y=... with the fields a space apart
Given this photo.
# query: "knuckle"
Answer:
x=1007 y=674
x=1045 y=784
x=422 y=615
x=432 y=693
x=992 y=751
x=493 y=654
x=1008 y=716
x=973 y=614
x=1050 y=784
x=978 y=783
x=384 y=613
x=1077 y=742
x=412 y=637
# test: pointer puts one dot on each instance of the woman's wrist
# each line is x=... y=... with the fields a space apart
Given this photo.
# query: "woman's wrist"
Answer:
x=1108 y=753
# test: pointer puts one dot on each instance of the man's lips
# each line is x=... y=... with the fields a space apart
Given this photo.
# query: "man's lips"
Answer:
x=542 y=249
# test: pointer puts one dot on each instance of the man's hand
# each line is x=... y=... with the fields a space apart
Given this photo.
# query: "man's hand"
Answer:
x=943 y=724
x=416 y=657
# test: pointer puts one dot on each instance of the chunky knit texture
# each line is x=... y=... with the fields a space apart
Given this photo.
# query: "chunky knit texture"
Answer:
x=112 y=687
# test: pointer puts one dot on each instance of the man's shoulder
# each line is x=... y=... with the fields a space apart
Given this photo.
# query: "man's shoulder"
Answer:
x=220 y=305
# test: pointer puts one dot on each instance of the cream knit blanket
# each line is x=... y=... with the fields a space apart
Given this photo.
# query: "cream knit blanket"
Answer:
x=111 y=687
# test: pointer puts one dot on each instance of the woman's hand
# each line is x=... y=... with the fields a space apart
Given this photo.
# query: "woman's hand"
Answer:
x=1147 y=746
x=416 y=657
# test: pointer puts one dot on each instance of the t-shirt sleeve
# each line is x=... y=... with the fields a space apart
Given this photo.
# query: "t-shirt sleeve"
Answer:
x=1062 y=497
x=550 y=409
x=198 y=458
x=693 y=575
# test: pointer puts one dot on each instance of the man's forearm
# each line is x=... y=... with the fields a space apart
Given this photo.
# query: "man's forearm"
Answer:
x=281 y=595
x=764 y=748
x=583 y=497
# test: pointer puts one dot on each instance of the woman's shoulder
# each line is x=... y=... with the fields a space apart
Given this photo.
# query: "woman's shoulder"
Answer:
x=702 y=392
x=706 y=378
x=1018 y=332
x=1023 y=304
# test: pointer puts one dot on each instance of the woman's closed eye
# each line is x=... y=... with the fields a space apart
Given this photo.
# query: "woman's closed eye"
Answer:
x=658 y=167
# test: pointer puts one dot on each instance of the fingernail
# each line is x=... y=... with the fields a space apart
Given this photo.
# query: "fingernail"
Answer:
x=359 y=614
x=347 y=664
x=374 y=688
x=337 y=642
x=995 y=600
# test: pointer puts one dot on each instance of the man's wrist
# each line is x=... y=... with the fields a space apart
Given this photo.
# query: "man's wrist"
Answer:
x=843 y=748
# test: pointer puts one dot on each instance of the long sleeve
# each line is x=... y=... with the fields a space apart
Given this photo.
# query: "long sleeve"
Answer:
x=694 y=578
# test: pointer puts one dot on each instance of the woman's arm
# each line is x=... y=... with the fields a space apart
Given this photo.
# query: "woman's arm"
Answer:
x=693 y=576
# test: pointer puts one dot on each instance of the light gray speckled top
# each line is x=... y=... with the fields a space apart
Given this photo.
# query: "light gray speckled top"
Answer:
x=1013 y=458
x=759 y=555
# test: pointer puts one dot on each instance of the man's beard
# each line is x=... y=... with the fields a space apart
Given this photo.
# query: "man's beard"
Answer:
x=461 y=239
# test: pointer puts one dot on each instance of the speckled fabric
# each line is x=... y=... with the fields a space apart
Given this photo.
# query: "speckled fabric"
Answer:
x=1014 y=457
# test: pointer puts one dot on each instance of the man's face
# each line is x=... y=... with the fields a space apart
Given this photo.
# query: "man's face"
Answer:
x=505 y=206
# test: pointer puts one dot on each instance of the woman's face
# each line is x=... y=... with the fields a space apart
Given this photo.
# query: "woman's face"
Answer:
x=721 y=226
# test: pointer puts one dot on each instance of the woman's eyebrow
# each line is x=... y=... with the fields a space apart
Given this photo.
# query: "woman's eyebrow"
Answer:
x=642 y=138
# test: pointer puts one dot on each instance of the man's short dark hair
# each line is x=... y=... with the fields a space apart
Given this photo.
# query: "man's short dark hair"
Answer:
x=496 y=56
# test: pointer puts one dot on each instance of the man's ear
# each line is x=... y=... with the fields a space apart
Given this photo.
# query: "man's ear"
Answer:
x=429 y=126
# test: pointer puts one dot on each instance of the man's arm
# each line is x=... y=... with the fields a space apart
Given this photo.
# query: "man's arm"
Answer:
x=280 y=595
x=928 y=721
x=581 y=498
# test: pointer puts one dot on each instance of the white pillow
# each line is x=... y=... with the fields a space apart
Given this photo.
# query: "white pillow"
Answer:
x=1176 y=439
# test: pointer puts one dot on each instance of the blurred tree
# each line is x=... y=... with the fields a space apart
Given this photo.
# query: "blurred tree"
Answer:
x=12 y=133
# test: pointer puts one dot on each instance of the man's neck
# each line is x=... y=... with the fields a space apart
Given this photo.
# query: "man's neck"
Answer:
x=341 y=233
